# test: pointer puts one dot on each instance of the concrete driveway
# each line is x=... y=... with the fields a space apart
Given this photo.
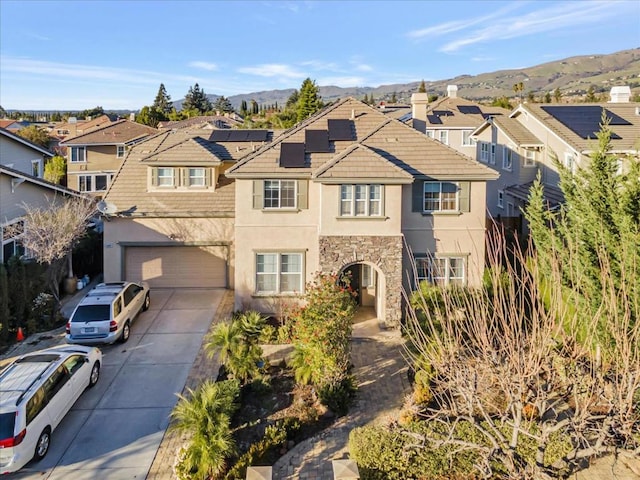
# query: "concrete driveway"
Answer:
x=114 y=429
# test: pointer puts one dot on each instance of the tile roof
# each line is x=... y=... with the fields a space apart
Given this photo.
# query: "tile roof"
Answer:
x=129 y=189
x=39 y=181
x=115 y=133
x=629 y=135
x=457 y=112
x=513 y=129
x=399 y=144
x=216 y=121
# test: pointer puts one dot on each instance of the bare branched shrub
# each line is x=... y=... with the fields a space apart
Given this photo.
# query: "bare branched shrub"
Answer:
x=544 y=382
x=50 y=233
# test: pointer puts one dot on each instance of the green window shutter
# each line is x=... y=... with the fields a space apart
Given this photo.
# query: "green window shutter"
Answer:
x=154 y=177
x=258 y=194
x=463 y=196
x=417 y=196
x=303 y=194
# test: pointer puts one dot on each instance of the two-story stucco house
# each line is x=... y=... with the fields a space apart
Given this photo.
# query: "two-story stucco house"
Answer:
x=94 y=157
x=535 y=136
x=348 y=190
x=352 y=190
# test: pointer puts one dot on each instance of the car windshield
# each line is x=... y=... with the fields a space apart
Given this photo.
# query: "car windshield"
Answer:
x=91 y=313
x=7 y=421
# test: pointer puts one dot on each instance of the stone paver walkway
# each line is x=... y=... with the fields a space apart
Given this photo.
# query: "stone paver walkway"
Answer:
x=381 y=372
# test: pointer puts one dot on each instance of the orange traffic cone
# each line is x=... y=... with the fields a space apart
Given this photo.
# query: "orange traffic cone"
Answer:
x=20 y=336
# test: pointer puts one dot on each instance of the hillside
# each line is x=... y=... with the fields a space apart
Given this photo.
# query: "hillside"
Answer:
x=573 y=76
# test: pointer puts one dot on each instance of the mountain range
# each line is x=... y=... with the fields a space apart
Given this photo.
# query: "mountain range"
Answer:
x=573 y=76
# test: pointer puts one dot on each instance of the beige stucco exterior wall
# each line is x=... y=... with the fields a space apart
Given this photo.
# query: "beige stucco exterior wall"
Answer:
x=276 y=231
x=100 y=159
x=163 y=232
x=446 y=234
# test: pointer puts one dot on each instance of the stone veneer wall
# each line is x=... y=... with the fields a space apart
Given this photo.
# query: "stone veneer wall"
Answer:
x=338 y=252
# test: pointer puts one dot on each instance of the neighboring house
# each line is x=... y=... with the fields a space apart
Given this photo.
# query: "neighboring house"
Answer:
x=74 y=127
x=16 y=189
x=22 y=155
x=170 y=209
x=94 y=157
x=535 y=136
x=352 y=190
x=11 y=125
x=451 y=119
x=203 y=122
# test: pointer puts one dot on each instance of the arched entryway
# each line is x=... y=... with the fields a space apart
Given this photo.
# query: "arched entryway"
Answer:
x=368 y=283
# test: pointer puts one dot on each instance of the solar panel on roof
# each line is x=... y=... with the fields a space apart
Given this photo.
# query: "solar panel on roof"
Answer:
x=316 y=141
x=219 y=135
x=340 y=129
x=257 y=135
x=239 y=136
x=470 y=109
x=434 y=119
x=292 y=155
x=584 y=120
x=443 y=113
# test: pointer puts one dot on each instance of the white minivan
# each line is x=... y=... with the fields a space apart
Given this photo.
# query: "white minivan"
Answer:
x=38 y=389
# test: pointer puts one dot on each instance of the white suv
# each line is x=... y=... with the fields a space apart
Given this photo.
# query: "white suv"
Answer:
x=38 y=389
x=105 y=314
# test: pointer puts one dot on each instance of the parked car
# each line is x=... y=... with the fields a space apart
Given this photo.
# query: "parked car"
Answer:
x=106 y=313
x=38 y=389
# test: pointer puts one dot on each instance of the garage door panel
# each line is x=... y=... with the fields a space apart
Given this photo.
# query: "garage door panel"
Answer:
x=184 y=267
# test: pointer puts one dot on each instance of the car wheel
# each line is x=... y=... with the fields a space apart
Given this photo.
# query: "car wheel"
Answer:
x=147 y=303
x=95 y=374
x=42 y=447
x=126 y=331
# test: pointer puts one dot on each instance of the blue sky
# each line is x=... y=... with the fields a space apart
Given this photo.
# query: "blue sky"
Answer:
x=80 y=54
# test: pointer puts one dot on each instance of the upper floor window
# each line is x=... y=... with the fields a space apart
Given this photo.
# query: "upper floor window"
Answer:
x=467 y=141
x=500 y=199
x=279 y=194
x=529 y=158
x=279 y=272
x=507 y=158
x=440 y=197
x=441 y=270
x=492 y=155
x=120 y=151
x=36 y=168
x=11 y=245
x=443 y=136
x=360 y=200
x=429 y=133
x=570 y=162
x=484 y=152
x=166 y=177
x=196 y=177
x=78 y=154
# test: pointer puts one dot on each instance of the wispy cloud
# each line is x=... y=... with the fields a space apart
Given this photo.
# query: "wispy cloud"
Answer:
x=203 y=65
x=273 y=70
x=320 y=65
x=86 y=72
x=543 y=20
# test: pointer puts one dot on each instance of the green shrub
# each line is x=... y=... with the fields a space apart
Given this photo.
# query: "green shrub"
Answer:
x=269 y=334
x=338 y=398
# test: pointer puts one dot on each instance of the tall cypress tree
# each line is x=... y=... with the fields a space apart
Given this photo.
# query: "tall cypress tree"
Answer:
x=162 y=102
x=309 y=101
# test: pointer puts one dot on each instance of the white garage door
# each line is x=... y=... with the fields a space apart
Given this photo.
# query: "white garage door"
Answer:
x=203 y=267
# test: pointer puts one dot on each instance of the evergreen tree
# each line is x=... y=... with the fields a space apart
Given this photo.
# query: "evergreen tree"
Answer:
x=394 y=98
x=557 y=95
x=591 y=95
x=223 y=105
x=309 y=101
x=292 y=100
x=599 y=223
x=372 y=100
x=243 y=108
x=150 y=116
x=254 y=107
x=547 y=97
x=56 y=117
x=162 y=102
x=531 y=98
x=422 y=88
x=366 y=99
x=197 y=101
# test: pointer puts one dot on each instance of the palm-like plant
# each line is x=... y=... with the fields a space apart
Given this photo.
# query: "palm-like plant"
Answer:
x=227 y=337
x=205 y=416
